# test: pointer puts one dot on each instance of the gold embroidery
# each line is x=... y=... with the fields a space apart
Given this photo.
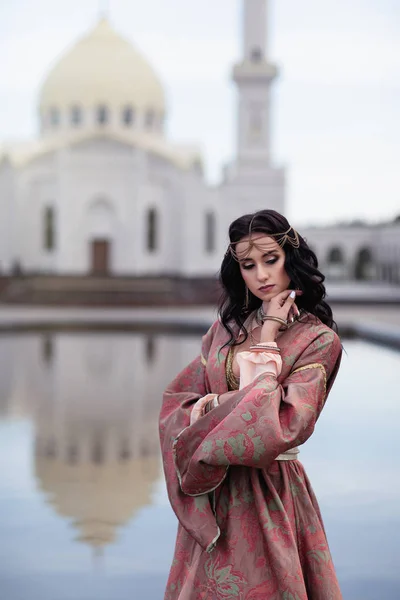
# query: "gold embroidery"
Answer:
x=203 y=360
x=231 y=379
x=313 y=366
x=179 y=474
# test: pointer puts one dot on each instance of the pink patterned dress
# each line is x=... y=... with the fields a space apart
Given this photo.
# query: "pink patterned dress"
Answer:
x=249 y=524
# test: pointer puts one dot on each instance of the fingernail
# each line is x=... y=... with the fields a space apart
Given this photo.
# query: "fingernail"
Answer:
x=293 y=294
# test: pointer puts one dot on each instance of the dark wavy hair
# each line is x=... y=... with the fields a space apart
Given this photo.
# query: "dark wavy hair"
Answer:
x=301 y=266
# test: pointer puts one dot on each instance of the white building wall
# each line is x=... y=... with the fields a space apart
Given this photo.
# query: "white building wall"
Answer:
x=198 y=202
x=350 y=241
x=36 y=187
x=253 y=191
x=90 y=173
x=388 y=252
x=7 y=221
x=101 y=189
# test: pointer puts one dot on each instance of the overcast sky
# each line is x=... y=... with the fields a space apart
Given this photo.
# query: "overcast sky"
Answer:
x=336 y=105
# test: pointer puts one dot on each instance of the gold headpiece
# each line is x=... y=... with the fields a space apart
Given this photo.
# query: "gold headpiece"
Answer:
x=290 y=236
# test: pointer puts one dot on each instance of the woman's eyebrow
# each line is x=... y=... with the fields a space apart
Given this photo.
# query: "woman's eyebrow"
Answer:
x=241 y=260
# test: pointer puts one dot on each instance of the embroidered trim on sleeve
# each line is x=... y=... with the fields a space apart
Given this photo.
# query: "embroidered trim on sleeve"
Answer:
x=313 y=366
x=178 y=473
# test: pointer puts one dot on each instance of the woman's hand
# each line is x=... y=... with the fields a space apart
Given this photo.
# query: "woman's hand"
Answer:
x=198 y=408
x=282 y=306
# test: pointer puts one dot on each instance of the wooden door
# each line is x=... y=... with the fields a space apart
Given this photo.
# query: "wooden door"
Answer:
x=100 y=257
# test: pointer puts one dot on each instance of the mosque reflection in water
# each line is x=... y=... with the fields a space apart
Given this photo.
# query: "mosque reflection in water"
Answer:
x=94 y=402
x=81 y=475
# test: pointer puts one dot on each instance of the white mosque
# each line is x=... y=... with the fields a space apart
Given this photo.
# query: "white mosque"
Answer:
x=103 y=191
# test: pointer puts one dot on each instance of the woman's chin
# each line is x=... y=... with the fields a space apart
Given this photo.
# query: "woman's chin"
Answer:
x=265 y=296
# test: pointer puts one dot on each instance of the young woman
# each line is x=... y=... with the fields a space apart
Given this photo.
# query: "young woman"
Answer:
x=231 y=423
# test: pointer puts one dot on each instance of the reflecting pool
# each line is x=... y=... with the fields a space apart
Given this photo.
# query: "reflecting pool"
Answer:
x=83 y=508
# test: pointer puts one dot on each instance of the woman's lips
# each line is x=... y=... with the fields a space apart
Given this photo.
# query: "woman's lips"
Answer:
x=266 y=288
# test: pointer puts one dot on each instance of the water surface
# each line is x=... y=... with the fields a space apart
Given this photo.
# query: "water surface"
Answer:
x=83 y=509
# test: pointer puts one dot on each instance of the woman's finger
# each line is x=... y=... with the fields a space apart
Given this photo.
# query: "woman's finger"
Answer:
x=290 y=298
x=281 y=297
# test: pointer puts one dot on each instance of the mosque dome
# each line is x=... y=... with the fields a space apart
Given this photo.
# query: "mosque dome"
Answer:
x=102 y=72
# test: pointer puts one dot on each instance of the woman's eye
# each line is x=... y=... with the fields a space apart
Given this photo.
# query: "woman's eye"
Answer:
x=247 y=267
x=272 y=261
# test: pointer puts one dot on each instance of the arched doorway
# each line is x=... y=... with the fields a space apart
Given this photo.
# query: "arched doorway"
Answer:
x=100 y=256
x=101 y=229
x=364 y=268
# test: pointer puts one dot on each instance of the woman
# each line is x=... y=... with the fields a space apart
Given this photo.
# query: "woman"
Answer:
x=232 y=421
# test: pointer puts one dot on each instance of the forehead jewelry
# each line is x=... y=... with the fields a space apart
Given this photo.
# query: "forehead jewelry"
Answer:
x=290 y=236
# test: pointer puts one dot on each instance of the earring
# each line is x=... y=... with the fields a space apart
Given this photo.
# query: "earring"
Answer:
x=246 y=298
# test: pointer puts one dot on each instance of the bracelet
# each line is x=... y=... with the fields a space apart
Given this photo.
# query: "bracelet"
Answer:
x=277 y=319
x=213 y=403
x=260 y=348
x=266 y=345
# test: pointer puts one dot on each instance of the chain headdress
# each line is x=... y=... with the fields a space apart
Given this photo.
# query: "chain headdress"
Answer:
x=287 y=237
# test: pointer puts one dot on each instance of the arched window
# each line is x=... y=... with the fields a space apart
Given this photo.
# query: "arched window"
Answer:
x=125 y=451
x=98 y=451
x=256 y=122
x=50 y=449
x=150 y=118
x=54 y=116
x=72 y=454
x=102 y=114
x=152 y=230
x=150 y=349
x=128 y=115
x=256 y=55
x=48 y=229
x=210 y=232
x=336 y=268
x=335 y=256
x=76 y=115
x=364 y=265
x=47 y=349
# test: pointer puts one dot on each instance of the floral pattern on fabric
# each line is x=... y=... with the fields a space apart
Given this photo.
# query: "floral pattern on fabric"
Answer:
x=249 y=525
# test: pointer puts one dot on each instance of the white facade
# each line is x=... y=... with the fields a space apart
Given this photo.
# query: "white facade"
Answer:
x=103 y=191
x=357 y=252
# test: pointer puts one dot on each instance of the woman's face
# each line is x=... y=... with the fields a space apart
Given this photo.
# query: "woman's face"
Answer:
x=263 y=267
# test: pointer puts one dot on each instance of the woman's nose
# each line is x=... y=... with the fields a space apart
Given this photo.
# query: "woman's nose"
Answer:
x=262 y=273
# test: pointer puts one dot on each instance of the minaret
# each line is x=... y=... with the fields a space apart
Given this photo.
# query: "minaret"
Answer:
x=252 y=182
x=253 y=77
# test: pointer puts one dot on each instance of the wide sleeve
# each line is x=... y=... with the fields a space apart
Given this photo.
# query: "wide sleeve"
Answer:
x=261 y=421
x=184 y=391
